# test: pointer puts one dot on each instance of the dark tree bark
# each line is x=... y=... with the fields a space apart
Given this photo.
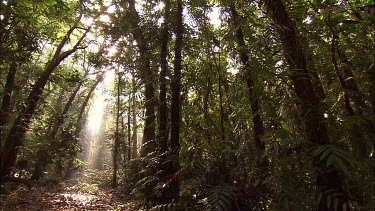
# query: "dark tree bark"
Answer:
x=6 y=102
x=352 y=94
x=6 y=27
x=173 y=168
x=147 y=77
x=315 y=128
x=17 y=133
x=371 y=76
x=348 y=108
x=163 y=116
x=9 y=89
x=258 y=127
x=163 y=120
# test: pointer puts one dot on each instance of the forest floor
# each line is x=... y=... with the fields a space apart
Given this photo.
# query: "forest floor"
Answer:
x=82 y=192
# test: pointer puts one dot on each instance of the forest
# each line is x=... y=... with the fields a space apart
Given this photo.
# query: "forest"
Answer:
x=187 y=105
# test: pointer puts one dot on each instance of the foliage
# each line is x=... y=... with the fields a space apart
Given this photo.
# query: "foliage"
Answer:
x=217 y=161
x=223 y=197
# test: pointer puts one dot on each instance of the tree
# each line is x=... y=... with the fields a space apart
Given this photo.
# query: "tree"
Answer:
x=315 y=127
x=134 y=122
x=258 y=127
x=117 y=132
x=163 y=117
x=19 y=29
x=147 y=77
x=174 y=166
x=17 y=133
x=244 y=105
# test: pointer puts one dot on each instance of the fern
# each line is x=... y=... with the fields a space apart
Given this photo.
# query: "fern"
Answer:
x=165 y=207
x=223 y=197
x=283 y=198
x=334 y=157
x=333 y=198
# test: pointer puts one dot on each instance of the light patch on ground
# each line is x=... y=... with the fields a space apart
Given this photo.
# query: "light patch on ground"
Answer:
x=82 y=199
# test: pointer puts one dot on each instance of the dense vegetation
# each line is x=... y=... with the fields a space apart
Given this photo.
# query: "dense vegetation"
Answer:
x=210 y=105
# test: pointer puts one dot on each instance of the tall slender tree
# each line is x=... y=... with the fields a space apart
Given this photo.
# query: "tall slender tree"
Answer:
x=315 y=128
x=174 y=188
x=258 y=127
x=134 y=118
x=116 y=146
x=163 y=117
x=147 y=76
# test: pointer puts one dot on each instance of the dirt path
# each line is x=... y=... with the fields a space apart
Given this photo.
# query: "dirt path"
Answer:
x=72 y=195
x=42 y=198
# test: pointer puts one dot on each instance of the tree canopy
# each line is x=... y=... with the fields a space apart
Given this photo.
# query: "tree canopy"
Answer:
x=202 y=105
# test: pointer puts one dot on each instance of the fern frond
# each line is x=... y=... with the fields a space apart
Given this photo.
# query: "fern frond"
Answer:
x=165 y=207
x=145 y=182
x=332 y=156
x=222 y=197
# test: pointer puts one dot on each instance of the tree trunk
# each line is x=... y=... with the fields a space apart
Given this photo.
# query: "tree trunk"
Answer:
x=129 y=132
x=315 y=128
x=163 y=116
x=17 y=133
x=371 y=73
x=351 y=94
x=221 y=103
x=6 y=27
x=174 y=185
x=8 y=89
x=163 y=119
x=258 y=127
x=134 y=115
x=117 y=134
x=60 y=120
x=147 y=78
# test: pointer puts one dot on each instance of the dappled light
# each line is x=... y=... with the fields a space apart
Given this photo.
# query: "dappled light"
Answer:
x=84 y=194
x=187 y=105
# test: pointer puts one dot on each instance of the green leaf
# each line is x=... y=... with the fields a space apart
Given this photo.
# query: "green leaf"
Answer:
x=50 y=2
x=26 y=3
x=331 y=159
x=319 y=150
x=341 y=166
x=325 y=153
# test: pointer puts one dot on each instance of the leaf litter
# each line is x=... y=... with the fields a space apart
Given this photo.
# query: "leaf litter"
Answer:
x=73 y=195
